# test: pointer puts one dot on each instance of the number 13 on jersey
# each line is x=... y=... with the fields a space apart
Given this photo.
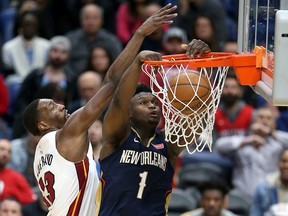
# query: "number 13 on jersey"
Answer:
x=46 y=184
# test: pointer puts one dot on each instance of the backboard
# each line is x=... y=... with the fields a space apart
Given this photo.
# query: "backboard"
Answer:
x=265 y=23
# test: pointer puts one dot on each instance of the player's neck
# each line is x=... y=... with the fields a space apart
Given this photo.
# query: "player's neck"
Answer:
x=144 y=135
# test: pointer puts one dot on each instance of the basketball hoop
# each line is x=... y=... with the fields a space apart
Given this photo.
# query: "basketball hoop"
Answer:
x=185 y=122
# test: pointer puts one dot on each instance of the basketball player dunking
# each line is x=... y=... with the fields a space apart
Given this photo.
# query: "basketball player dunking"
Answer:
x=63 y=164
x=137 y=165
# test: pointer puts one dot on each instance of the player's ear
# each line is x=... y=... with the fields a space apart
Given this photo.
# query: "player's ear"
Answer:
x=43 y=126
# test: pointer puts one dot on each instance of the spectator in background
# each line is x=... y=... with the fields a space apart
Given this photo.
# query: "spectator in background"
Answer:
x=273 y=189
x=110 y=13
x=96 y=139
x=130 y=15
x=10 y=17
x=12 y=183
x=100 y=60
x=88 y=84
x=153 y=41
x=71 y=8
x=231 y=8
x=55 y=71
x=233 y=116
x=213 y=200
x=204 y=29
x=172 y=40
x=190 y=9
x=22 y=156
x=230 y=46
x=254 y=155
x=46 y=14
x=37 y=208
x=4 y=103
x=10 y=207
x=4 y=99
x=89 y=35
x=27 y=51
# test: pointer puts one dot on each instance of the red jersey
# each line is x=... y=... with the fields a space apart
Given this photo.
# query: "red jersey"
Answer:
x=13 y=184
x=226 y=126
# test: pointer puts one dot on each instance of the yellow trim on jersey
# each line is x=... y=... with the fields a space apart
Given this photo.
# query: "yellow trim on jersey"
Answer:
x=84 y=168
x=167 y=202
x=98 y=197
x=149 y=141
x=76 y=203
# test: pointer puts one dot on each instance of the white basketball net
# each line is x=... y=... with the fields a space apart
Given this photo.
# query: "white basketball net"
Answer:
x=195 y=126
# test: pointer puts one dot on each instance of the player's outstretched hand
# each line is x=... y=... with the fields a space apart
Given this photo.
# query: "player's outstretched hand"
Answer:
x=149 y=55
x=196 y=47
x=162 y=17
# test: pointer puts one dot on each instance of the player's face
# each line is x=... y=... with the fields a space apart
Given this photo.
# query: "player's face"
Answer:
x=53 y=114
x=212 y=202
x=145 y=108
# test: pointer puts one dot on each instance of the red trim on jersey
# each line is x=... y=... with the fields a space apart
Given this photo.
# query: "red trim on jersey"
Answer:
x=103 y=181
x=168 y=192
x=82 y=169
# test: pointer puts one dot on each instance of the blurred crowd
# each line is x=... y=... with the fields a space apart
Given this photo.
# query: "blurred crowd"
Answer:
x=63 y=49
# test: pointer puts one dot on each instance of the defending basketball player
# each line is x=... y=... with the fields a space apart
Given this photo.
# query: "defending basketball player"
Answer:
x=63 y=164
x=137 y=165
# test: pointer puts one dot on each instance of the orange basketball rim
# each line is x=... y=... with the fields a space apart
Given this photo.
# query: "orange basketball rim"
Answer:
x=248 y=66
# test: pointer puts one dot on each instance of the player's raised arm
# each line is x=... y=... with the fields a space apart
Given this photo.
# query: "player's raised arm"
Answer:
x=123 y=61
x=78 y=123
x=116 y=125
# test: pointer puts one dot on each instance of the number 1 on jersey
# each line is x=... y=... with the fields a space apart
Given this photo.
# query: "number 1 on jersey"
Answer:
x=142 y=184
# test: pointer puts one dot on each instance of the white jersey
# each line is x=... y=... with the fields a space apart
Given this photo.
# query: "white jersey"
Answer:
x=68 y=188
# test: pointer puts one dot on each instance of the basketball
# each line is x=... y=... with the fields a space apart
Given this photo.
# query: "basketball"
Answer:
x=185 y=87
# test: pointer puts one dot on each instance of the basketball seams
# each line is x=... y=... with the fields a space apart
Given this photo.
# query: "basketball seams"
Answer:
x=204 y=87
x=185 y=85
x=207 y=92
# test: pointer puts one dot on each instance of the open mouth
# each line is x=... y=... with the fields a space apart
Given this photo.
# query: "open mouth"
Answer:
x=154 y=114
